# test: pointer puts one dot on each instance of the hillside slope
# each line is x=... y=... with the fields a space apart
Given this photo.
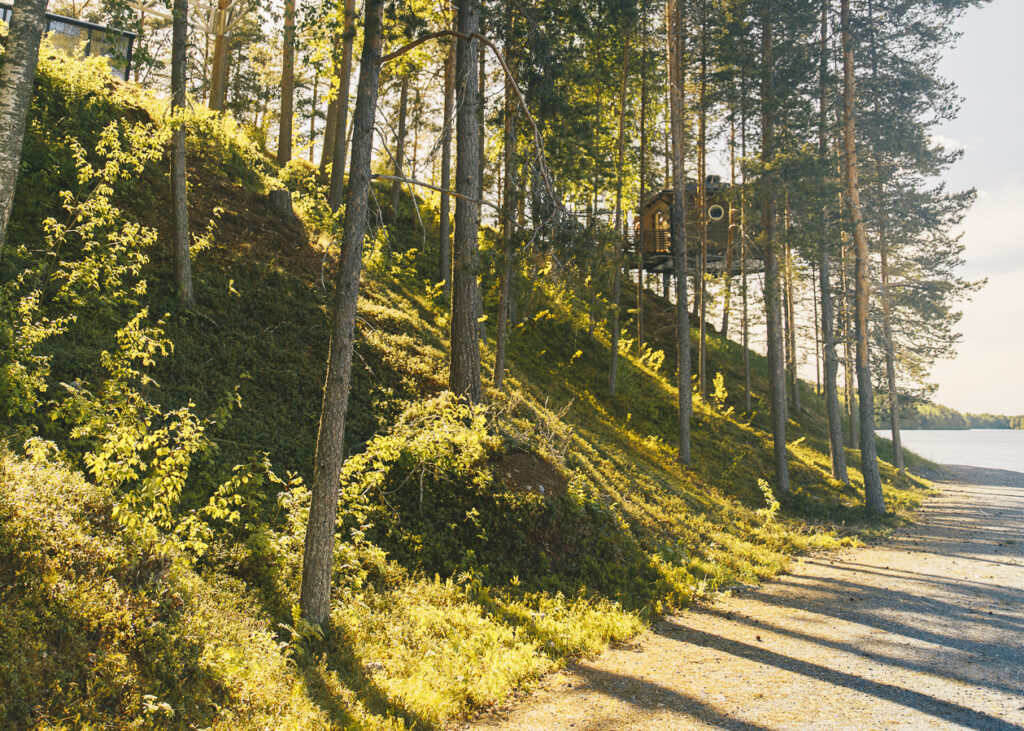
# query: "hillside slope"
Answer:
x=477 y=548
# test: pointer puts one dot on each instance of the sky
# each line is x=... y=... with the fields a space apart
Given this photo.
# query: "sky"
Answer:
x=987 y=374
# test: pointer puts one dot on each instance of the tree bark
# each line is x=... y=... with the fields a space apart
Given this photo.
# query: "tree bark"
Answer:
x=329 y=124
x=776 y=356
x=791 y=317
x=883 y=249
x=640 y=241
x=613 y=366
x=341 y=119
x=481 y=121
x=848 y=347
x=731 y=235
x=678 y=223
x=219 y=72
x=284 y=136
x=445 y=244
x=874 y=500
x=403 y=109
x=837 y=452
x=17 y=75
x=179 y=189
x=702 y=207
x=747 y=401
x=318 y=556
x=509 y=205
x=817 y=332
x=890 y=355
x=464 y=376
x=312 y=114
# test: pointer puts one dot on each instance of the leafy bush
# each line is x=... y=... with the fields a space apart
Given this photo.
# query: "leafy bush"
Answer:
x=303 y=179
x=219 y=141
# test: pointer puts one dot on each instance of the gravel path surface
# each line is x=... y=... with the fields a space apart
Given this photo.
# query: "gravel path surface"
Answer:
x=925 y=631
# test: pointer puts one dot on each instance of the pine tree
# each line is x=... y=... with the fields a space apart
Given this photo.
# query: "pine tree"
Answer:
x=179 y=189
x=338 y=143
x=869 y=460
x=776 y=356
x=677 y=85
x=318 y=553
x=464 y=377
x=284 y=138
x=837 y=453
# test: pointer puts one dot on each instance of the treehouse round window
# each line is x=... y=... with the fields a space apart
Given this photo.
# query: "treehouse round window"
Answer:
x=716 y=212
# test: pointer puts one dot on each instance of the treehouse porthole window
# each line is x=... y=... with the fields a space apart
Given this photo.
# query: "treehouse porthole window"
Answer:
x=716 y=212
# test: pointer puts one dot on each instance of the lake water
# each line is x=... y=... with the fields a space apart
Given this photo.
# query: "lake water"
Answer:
x=1001 y=449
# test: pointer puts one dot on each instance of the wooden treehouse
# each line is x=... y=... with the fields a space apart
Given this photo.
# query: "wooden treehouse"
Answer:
x=74 y=37
x=652 y=232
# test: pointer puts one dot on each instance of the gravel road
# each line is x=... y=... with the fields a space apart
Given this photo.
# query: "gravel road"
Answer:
x=923 y=632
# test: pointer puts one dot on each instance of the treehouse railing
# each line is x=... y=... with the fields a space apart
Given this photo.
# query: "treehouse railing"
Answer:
x=656 y=241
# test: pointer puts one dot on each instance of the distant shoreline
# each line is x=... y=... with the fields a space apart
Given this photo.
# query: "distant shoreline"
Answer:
x=951 y=428
x=929 y=416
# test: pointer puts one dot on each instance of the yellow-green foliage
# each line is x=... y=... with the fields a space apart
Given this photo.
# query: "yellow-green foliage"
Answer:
x=100 y=627
x=453 y=583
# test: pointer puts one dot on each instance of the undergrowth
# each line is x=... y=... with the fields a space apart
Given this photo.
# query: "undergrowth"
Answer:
x=151 y=527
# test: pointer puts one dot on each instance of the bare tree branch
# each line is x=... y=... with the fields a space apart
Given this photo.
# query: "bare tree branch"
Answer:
x=420 y=183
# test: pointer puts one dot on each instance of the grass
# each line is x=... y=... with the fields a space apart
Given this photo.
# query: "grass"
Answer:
x=455 y=581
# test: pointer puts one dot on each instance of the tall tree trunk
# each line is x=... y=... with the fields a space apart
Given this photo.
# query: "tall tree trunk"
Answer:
x=341 y=119
x=776 y=357
x=817 y=332
x=219 y=72
x=445 y=244
x=613 y=367
x=747 y=400
x=284 y=137
x=464 y=377
x=482 y=122
x=668 y=159
x=848 y=348
x=791 y=316
x=890 y=355
x=873 y=497
x=312 y=115
x=417 y=118
x=481 y=319
x=403 y=110
x=702 y=206
x=731 y=235
x=837 y=453
x=318 y=555
x=677 y=221
x=179 y=191
x=330 y=123
x=17 y=75
x=508 y=209
x=883 y=249
x=641 y=241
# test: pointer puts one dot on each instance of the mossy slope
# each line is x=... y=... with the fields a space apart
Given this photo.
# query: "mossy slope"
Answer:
x=456 y=581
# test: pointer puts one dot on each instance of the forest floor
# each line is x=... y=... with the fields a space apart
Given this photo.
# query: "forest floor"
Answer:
x=923 y=631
